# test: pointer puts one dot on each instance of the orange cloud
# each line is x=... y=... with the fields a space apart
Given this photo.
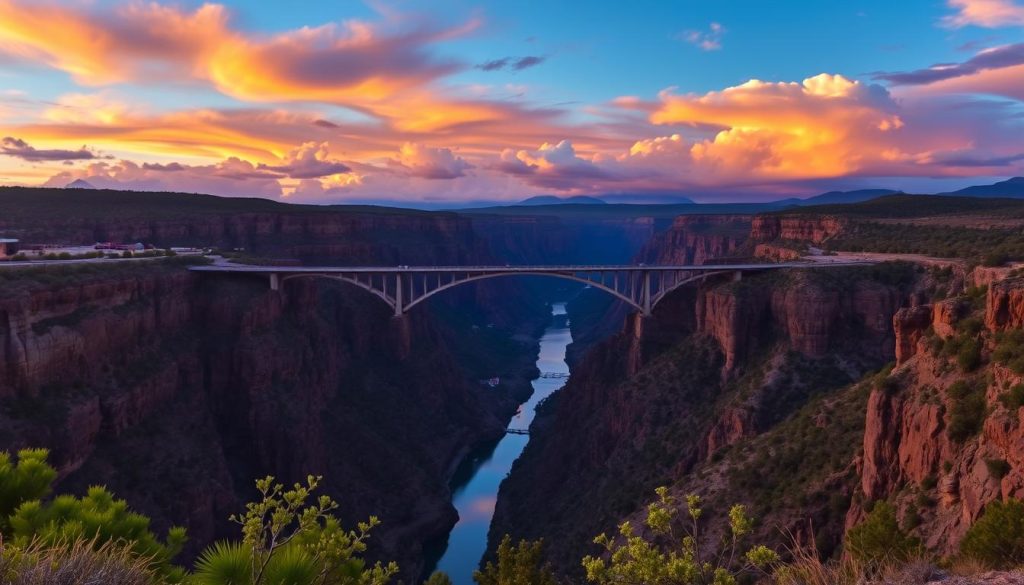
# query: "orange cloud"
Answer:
x=826 y=126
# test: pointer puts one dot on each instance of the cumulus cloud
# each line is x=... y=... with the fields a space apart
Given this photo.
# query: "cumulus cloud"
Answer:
x=18 y=148
x=826 y=125
x=705 y=40
x=309 y=161
x=430 y=163
x=231 y=177
x=554 y=166
x=986 y=13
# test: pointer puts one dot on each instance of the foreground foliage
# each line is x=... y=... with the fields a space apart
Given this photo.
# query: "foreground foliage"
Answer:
x=289 y=536
x=632 y=558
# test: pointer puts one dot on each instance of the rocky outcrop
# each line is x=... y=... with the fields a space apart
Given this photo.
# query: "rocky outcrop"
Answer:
x=912 y=455
x=698 y=239
x=909 y=325
x=811 y=315
x=804 y=228
x=707 y=372
x=1004 y=306
x=177 y=392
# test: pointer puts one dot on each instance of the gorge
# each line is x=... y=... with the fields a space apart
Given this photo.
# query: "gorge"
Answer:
x=805 y=395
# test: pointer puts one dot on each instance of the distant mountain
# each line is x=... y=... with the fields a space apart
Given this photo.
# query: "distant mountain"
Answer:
x=646 y=198
x=845 y=196
x=555 y=200
x=79 y=184
x=1013 y=188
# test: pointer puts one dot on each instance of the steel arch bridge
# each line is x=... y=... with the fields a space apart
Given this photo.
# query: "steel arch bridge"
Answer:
x=404 y=287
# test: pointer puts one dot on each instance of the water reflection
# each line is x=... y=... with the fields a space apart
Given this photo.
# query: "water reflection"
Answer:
x=475 y=485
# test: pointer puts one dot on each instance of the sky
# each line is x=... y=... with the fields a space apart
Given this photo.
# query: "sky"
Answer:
x=453 y=102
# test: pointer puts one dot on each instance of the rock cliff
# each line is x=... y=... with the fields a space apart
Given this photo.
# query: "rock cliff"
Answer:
x=713 y=369
x=943 y=437
x=177 y=392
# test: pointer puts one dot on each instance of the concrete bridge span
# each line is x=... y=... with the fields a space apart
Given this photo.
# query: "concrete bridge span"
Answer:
x=404 y=287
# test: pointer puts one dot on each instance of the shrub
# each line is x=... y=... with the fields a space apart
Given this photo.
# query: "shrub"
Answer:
x=969 y=356
x=287 y=540
x=1009 y=350
x=1013 y=398
x=997 y=538
x=997 y=468
x=630 y=558
x=517 y=565
x=28 y=479
x=967 y=414
x=438 y=578
x=99 y=518
x=878 y=539
x=994 y=259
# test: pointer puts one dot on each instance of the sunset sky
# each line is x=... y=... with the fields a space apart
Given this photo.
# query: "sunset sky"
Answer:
x=457 y=101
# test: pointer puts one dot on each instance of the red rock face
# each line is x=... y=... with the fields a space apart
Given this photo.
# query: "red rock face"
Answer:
x=800 y=228
x=1004 y=307
x=909 y=325
x=698 y=239
x=810 y=317
x=906 y=443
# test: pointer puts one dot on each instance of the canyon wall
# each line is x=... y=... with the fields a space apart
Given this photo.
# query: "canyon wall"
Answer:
x=943 y=436
x=177 y=392
x=712 y=369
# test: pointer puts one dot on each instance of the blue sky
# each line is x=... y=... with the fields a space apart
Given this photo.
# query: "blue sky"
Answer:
x=396 y=100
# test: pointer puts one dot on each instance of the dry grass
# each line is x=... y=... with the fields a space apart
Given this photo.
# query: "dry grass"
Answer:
x=79 y=563
x=807 y=568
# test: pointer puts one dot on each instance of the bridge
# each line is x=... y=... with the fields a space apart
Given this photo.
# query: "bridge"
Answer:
x=404 y=287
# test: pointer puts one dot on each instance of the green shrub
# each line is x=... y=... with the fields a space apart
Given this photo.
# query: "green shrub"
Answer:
x=997 y=538
x=879 y=539
x=997 y=468
x=994 y=259
x=521 y=564
x=99 y=518
x=631 y=558
x=1013 y=398
x=1009 y=350
x=967 y=414
x=969 y=356
x=28 y=479
x=438 y=578
x=288 y=541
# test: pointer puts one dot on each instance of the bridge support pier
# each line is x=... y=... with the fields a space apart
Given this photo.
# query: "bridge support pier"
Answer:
x=737 y=276
x=399 y=307
x=275 y=281
x=646 y=293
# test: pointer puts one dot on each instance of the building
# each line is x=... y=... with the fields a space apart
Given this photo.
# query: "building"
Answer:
x=8 y=247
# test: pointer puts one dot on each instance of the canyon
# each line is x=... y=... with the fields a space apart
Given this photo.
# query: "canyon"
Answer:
x=806 y=395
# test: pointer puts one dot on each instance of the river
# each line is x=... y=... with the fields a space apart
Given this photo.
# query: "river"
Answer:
x=475 y=487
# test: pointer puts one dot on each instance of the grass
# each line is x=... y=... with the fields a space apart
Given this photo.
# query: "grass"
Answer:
x=33 y=277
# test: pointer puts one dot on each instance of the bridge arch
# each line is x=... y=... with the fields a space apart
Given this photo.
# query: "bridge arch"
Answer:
x=638 y=290
x=479 y=277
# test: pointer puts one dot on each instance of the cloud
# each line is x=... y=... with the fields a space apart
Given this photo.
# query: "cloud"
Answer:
x=554 y=166
x=995 y=71
x=231 y=177
x=709 y=40
x=309 y=161
x=987 y=59
x=986 y=13
x=430 y=163
x=18 y=148
x=826 y=125
x=351 y=63
x=514 y=63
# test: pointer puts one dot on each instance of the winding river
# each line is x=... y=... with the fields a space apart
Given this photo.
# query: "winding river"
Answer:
x=475 y=486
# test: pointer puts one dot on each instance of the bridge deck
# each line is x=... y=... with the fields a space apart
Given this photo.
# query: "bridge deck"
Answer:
x=516 y=268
